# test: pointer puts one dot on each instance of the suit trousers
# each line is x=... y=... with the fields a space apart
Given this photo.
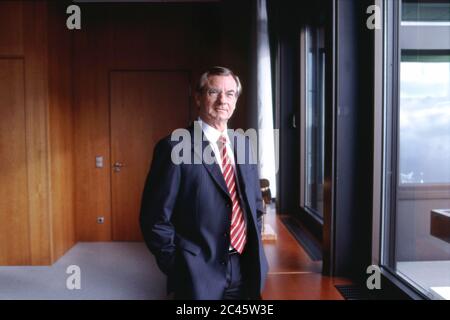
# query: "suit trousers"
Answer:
x=236 y=289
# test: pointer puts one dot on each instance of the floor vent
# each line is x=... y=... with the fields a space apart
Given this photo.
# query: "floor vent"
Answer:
x=354 y=292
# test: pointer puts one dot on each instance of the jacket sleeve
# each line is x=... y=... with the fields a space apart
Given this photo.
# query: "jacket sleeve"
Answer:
x=158 y=202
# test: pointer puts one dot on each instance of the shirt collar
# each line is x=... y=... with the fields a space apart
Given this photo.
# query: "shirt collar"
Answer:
x=212 y=134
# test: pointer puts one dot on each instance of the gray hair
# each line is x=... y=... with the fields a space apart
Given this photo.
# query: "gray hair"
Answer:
x=218 y=71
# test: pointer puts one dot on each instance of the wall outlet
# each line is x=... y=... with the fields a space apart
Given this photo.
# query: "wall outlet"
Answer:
x=100 y=220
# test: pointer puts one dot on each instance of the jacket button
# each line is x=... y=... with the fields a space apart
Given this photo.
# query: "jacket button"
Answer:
x=222 y=262
x=227 y=205
x=225 y=234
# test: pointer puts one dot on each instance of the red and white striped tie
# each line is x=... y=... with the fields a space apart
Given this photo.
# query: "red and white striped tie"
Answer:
x=238 y=232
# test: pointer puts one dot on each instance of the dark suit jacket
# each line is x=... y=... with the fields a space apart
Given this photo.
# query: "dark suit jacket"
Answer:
x=186 y=215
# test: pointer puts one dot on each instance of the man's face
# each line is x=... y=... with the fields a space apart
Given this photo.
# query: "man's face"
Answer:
x=218 y=100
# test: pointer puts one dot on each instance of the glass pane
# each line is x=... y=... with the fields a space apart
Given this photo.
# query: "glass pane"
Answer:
x=436 y=11
x=424 y=118
x=420 y=246
x=315 y=121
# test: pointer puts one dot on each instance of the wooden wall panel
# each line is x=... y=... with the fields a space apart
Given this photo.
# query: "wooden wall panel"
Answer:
x=152 y=37
x=91 y=124
x=36 y=106
x=11 y=28
x=36 y=208
x=14 y=223
x=61 y=130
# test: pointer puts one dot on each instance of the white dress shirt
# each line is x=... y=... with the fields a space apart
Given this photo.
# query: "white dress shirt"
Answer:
x=212 y=134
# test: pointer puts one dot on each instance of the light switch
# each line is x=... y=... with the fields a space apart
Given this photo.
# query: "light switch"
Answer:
x=99 y=162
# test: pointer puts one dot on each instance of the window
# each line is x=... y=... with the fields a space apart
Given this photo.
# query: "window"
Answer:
x=416 y=145
x=313 y=121
x=424 y=117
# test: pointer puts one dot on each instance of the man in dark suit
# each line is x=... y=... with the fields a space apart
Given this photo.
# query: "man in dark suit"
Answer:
x=201 y=207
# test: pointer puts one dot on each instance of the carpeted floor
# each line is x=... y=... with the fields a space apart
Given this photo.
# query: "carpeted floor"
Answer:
x=109 y=270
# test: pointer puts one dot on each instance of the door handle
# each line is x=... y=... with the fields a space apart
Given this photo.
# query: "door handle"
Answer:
x=117 y=166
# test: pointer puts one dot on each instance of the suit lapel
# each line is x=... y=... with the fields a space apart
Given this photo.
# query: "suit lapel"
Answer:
x=240 y=158
x=215 y=172
x=213 y=169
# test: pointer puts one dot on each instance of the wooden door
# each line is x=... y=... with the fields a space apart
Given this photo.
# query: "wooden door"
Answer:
x=145 y=107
